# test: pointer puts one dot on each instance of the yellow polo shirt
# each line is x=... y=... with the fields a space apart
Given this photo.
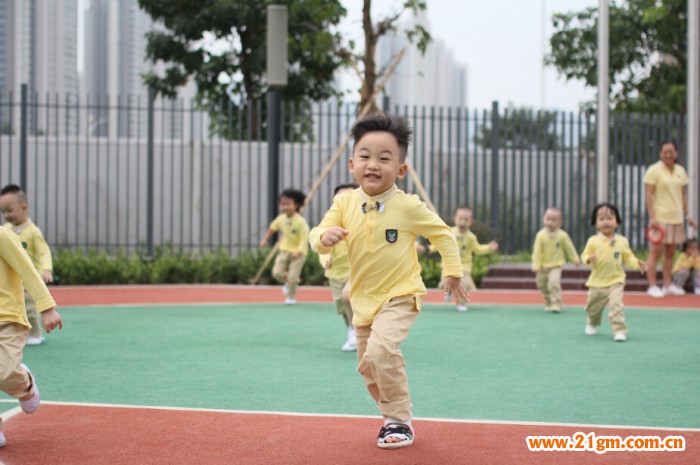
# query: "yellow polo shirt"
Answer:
x=668 y=195
x=382 y=247
x=610 y=255
x=295 y=233
x=552 y=249
x=686 y=262
x=468 y=246
x=34 y=243
x=16 y=268
x=340 y=267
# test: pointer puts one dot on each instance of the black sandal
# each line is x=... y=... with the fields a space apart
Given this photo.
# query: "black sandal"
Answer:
x=395 y=430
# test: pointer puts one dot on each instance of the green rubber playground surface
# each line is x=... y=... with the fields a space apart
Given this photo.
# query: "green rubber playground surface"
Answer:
x=491 y=363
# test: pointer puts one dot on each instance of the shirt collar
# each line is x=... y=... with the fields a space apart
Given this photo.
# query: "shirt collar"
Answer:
x=604 y=238
x=383 y=197
x=18 y=229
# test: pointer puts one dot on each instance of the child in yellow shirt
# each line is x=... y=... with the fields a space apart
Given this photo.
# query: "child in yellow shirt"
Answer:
x=549 y=253
x=606 y=252
x=294 y=245
x=468 y=247
x=337 y=269
x=14 y=207
x=379 y=224
x=688 y=263
x=16 y=271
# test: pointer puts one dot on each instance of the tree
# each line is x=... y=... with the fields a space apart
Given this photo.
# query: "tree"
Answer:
x=647 y=52
x=373 y=31
x=220 y=44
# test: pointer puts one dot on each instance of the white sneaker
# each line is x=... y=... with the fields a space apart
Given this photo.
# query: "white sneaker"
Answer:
x=447 y=297
x=351 y=344
x=591 y=330
x=656 y=292
x=620 y=337
x=3 y=441
x=462 y=308
x=674 y=290
x=30 y=406
x=290 y=301
x=35 y=341
x=285 y=289
x=696 y=291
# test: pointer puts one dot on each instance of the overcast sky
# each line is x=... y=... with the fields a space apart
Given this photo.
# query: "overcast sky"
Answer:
x=500 y=41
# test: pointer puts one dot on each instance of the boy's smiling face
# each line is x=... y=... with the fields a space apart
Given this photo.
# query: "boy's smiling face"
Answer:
x=13 y=210
x=376 y=162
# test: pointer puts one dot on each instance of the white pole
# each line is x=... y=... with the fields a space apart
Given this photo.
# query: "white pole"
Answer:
x=693 y=118
x=603 y=118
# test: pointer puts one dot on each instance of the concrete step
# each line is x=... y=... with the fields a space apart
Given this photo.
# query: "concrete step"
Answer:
x=567 y=284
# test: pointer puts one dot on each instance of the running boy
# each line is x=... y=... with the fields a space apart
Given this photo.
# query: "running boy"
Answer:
x=688 y=263
x=379 y=224
x=552 y=248
x=337 y=269
x=14 y=207
x=16 y=268
x=606 y=252
x=294 y=245
x=468 y=246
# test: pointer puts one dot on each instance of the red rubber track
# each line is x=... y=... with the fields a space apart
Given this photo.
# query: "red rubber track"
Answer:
x=79 y=435
x=187 y=294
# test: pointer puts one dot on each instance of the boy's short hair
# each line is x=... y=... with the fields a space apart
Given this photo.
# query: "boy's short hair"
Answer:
x=556 y=209
x=340 y=187
x=395 y=125
x=15 y=189
x=463 y=207
x=687 y=243
x=611 y=207
x=296 y=195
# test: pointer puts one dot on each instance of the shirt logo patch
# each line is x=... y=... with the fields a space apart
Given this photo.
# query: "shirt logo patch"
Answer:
x=558 y=245
x=392 y=235
x=617 y=255
x=24 y=244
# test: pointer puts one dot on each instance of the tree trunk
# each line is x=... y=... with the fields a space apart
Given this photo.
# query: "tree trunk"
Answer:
x=370 y=66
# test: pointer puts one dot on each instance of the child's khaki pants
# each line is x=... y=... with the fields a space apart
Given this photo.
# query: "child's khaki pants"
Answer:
x=288 y=270
x=14 y=380
x=549 y=284
x=381 y=363
x=598 y=298
x=32 y=316
x=342 y=306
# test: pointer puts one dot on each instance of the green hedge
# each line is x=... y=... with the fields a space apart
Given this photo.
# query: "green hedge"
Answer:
x=169 y=266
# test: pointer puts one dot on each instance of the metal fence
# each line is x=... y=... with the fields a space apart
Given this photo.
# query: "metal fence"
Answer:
x=134 y=173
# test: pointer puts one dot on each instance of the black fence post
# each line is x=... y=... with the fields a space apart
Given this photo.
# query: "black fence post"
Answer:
x=149 y=172
x=23 y=133
x=495 y=177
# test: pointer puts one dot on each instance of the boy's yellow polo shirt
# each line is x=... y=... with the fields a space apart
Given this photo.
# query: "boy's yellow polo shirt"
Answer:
x=668 y=193
x=610 y=255
x=16 y=272
x=552 y=249
x=340 y=267
x=295 y=233
x=468 y=245
x=34 y=243
x=382 y=246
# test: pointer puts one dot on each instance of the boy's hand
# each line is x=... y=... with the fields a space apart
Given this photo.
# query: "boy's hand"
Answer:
x=328 y=264
x=577 y=262
x=50 y=319
x=535 y=269
x=47 y=276
x=591 y=259
x=493 y=245
x=420 y=247
x=333 y=235
x=296 y=255
x=263 y=243
x=642 y=266
x=453 y=286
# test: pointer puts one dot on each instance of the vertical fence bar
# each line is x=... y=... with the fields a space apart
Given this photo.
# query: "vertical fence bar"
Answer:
x=495 y=143
x=23 y=133
x=150 y=172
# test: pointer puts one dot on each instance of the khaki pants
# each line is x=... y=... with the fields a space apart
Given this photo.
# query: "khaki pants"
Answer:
x=549 y=284
x=32 y=316
x=287 y=271
x=14 y=380
x=342 y=305
x=598 y=298
x=381 y=363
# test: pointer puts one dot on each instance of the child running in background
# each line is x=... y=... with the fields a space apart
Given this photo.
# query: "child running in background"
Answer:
x=605 y=253
x=294 y=245
x=549 y=253
x=688 y=263
x=379 y=224
x=468 y=246
x=17 y=268
x=14 y=207
x=337 y=270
